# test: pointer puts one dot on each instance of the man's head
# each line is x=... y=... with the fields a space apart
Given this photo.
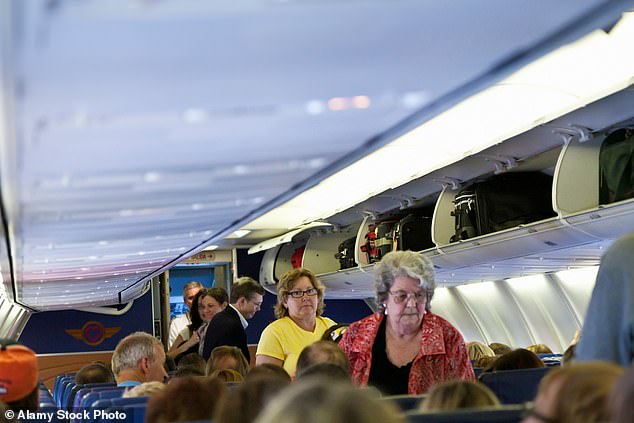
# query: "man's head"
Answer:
x=247 y=296
x=18 y=376
x=140 y=357
x=189 y=292
x=96 y=372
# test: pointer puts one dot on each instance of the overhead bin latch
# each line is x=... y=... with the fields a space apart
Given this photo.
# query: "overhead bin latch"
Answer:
x=501 y=162
x=448 y=182
x=371 y=214
x=573 y=132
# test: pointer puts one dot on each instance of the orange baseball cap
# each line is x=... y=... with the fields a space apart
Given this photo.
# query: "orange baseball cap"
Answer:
x=18 y=371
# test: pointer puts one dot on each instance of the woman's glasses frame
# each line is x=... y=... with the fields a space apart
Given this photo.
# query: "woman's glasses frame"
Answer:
x=311 y=292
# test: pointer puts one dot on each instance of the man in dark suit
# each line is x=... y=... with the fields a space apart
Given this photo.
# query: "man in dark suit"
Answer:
x=228 y=326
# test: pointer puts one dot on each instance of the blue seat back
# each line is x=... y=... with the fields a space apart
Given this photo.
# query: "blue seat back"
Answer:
x=122 y=402
x=58 y=388
x=67 y=386
x=98 y=393
x=514 y=386
x=404 y=402
x=81 y=390
x=504 y=414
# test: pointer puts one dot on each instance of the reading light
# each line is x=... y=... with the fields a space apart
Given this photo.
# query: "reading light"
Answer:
x=240 y=233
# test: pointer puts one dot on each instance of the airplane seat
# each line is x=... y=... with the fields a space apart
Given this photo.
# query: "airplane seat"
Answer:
x=514 y=386
x=66 y=388
x=97 y=393
x=74 y=400
x=404 y=402
x=58 y=387
x=504 y=414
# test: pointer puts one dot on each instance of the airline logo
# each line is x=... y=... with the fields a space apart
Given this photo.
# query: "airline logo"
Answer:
x=92 y=333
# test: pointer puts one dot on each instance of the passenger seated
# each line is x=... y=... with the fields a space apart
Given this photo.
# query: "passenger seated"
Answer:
x=185 y=399
x=268 y=369
x=147 y=389
x=477 y=349
x=621 y=398
x=540 y=349
x=193 y=362
x=499 y=348
x=227 y=357
x=331 y=371
x=248 y=399
x=95 y=372
x=322 y=352
x=19 y=377
x=515 y=360
x=575 y=394
x=484 y=362
x=318 y=400
x=227 y=375
x=138 y=358
x=456 y=394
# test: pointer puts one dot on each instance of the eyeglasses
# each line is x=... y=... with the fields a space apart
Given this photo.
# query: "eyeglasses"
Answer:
x=404 y=297
x=311 y=292
x=530 y=412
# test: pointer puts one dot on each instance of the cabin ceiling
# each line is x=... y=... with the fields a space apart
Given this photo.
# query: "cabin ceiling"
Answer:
x=134 y=133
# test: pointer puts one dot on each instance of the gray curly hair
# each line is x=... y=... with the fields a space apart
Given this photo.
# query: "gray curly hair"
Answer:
x=403 y=263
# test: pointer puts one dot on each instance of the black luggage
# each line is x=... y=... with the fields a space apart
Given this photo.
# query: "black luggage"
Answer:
x=413 y=232
x=384 y=241
x=501 y=202
x=616 y=170
x=345 y=255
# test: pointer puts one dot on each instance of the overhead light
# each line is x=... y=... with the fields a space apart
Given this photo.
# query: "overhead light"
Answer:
x=239 y=233
x=558 y=83
x=210 y=248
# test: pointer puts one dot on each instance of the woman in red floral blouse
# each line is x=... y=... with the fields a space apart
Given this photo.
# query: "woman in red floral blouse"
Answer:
x=404 y=348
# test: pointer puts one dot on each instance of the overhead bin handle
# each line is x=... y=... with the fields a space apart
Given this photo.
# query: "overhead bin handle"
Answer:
x=574 y=132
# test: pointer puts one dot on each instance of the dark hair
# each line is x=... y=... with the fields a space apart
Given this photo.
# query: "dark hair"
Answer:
x=186 y=398
x=245 y=287
x=517 y=359
x=192 y=361
x=95 y=372
x=322 y=352
x=268 y=370
x=249 y=398
x=332 y=371
x=217 y=293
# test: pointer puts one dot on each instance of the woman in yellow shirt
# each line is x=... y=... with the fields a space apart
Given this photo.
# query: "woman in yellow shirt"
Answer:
x=300 y=302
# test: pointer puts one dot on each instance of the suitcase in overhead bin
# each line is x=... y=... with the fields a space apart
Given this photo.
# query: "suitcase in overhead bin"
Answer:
x=384 y=241
x=413 y=232
x=345 y=255
x=298 y=257
x=369 y=247
x=501 y=202
x=616 y=166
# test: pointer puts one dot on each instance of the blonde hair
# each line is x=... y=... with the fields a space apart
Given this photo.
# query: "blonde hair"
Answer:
x=478 y=350
x=223 y=351
x=539 y=349
x=585 y=386
x=456 y=394
x=287 y=282
x=227 y=375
